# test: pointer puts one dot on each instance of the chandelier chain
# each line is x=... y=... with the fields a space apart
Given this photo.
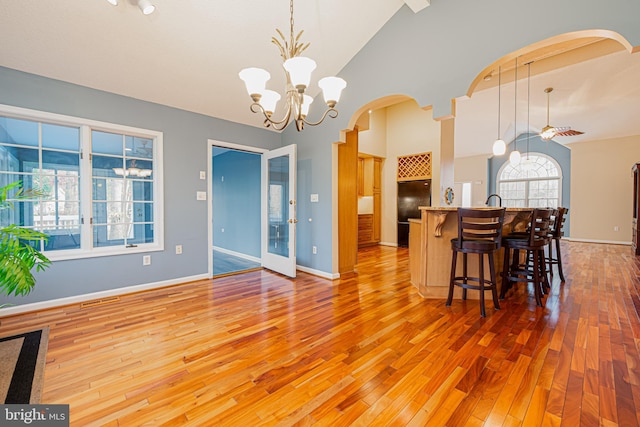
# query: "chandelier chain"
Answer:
x=291 y=21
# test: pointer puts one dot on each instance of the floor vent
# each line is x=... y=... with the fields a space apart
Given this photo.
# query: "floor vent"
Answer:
x=101 y=301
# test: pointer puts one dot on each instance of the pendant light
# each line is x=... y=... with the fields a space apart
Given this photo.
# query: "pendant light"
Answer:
x=514 y=157
x=499 y=147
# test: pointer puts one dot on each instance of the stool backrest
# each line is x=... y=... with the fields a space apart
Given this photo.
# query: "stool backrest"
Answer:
x=558 y=223
x=480 y=224
x=540 y=226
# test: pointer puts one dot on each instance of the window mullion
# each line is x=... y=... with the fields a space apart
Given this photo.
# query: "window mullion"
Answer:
x=86 y=185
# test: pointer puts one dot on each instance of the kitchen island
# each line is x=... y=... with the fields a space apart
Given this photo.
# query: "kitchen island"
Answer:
x=430 y=248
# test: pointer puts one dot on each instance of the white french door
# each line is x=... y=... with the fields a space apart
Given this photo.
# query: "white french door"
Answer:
x=279 y=210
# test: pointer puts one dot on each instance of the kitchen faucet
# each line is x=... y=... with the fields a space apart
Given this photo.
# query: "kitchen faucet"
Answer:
x=496 y=196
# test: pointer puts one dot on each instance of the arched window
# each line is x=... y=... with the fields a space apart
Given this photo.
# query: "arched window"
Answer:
x=535 y=182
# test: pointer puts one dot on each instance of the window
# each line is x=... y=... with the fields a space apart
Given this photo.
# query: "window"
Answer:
x=534 y=182
x=100 y=184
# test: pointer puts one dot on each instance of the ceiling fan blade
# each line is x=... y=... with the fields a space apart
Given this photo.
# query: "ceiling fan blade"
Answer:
x=569 y=132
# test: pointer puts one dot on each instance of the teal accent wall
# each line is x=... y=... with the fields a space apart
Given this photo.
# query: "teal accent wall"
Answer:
x=236 y=201
x=186 y=138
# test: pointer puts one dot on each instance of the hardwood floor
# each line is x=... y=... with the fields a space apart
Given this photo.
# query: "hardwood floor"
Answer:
x=261 y=349
x=225 y=264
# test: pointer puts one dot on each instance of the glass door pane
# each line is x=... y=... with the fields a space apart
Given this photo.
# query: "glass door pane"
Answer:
x=279 y=210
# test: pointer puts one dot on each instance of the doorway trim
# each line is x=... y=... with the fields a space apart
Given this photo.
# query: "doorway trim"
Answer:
x=210 y=144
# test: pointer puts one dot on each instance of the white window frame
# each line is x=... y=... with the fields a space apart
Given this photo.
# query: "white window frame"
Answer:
x=528 y=180
x=86 y=249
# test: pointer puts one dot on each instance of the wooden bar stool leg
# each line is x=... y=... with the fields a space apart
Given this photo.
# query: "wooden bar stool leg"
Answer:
x=536 y=278
x=546 y=286
x=494 y=282
x=505 y=274
x=551 y=259
x=559 y=258
x=454 y=258
x=464 y=273
x=483 y=313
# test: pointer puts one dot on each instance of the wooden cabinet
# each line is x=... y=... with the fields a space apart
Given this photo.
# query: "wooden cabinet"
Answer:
x=370 y=185
x=377 y=198
x=365 y=230
x=635 y=238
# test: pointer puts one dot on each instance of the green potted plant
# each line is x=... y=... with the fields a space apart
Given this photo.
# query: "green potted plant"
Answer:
x=18 y=256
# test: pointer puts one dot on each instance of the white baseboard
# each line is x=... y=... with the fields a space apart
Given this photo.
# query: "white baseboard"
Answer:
x=237 y=254
x=609 y=242
x=19 y=309
x=395 y=245
x=319 y=273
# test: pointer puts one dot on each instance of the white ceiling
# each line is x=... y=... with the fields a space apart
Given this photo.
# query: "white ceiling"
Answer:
x=600 y=97
x=188 y=54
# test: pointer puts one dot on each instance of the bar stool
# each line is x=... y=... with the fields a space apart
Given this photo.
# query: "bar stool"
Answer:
x=534 y=268
x=479 y=232
x=556 y=235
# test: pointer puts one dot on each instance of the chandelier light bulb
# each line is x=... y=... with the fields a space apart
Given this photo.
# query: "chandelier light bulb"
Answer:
x=306 y=103
x=332 y=89
x=499 y=147
x=300 y=69
x=269 y=100
x=515 y=157
x=255 y=79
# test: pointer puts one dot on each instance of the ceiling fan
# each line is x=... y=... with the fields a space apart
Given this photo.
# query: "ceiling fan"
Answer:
x=549 y=132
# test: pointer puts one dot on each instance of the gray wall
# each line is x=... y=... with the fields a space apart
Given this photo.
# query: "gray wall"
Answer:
x=236 y=202
x=185 y=154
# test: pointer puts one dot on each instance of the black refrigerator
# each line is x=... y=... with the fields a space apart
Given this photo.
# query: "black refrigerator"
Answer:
x=411 y=195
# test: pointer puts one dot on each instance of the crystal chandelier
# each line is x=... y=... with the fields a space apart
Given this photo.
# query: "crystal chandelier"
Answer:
x=298 y=71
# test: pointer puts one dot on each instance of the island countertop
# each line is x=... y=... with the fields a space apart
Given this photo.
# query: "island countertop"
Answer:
x=430 y=246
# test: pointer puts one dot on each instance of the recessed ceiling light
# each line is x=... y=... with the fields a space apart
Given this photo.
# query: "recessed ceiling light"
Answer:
x=146 y=7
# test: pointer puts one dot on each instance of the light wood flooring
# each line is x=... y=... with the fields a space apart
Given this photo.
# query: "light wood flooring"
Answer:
x=261 y=349
x=225 y=264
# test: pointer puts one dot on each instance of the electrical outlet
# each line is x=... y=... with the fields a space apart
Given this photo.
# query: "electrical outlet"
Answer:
x=178 y=249
x=314 y=250
x=146 y=260
x=616 y=228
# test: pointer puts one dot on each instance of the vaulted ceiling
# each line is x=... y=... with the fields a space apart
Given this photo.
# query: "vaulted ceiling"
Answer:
x=188 y=54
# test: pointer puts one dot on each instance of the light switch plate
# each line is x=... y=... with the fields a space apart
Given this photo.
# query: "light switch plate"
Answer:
x=314 y=198
x=201 y=195
x=203 y=175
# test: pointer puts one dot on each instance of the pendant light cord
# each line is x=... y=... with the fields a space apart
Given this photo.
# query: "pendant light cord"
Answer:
x=515 y=110
x=499 y=96
x=528 y=104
